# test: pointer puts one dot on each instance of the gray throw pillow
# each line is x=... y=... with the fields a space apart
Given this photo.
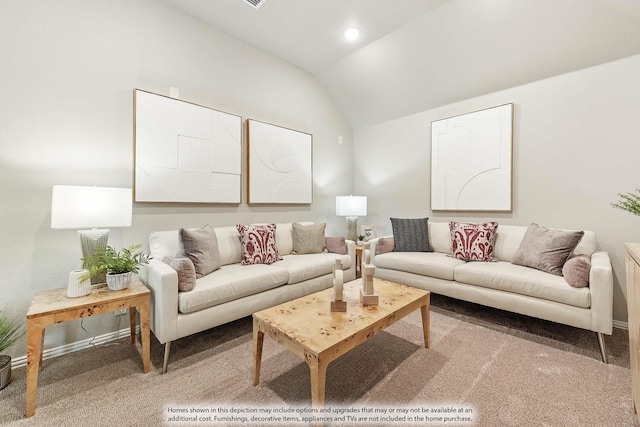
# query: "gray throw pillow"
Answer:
x=201 y=247
x=411 y=235
x=546 y=249
x=336 y=245
x=576 y=271
x=308 y=239
x=186 y=272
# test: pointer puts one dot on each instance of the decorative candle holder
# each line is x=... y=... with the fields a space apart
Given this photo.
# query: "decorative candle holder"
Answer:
x=337 y=304
x=368 y=294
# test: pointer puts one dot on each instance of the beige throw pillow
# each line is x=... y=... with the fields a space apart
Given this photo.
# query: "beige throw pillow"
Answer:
x=308 y=239
x=201 y=247
x=546 y=249
x=186 y=272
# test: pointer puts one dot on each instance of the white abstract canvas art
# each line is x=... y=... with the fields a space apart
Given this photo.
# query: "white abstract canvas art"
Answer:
x=280 y=164
x=471 y=161
x=185 y=153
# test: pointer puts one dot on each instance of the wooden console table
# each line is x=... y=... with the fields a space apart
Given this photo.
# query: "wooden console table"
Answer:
x=633 y=301
x=52 y=306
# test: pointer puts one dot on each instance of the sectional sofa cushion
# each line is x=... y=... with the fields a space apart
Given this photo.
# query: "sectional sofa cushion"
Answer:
x=308 y=239
x=258 y=244
x=576 y=271
x=433 y=264
x=201 y=247
x=186 y=272
x=546 y=249
x=309 y=266
x=505 y=276
x=411 y=234
x=473 y=242
x=232 y=282
x=336 y=245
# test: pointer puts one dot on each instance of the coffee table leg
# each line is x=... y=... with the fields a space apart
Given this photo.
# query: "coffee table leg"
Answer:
x=318 y=371
x=258 y=339
x=425 y=323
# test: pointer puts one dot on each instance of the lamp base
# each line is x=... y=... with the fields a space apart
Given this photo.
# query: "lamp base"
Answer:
x=90 y=240
x=352 y=222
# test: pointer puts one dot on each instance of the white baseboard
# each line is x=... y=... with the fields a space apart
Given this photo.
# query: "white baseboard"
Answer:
x=621 y=325
x=75 y=346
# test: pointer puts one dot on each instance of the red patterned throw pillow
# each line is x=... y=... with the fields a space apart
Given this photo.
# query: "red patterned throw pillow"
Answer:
x=258 y=244
x=473 y=242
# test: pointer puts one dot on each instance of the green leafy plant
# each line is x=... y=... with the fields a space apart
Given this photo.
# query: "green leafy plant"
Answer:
x=360 y=237
x=10 y=331
x=629 y=202
x=108 y=260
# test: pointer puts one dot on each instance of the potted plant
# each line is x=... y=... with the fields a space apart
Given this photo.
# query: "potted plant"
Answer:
x=118 y=266
x=10 y=332
x=629 y=202
x=360 y=239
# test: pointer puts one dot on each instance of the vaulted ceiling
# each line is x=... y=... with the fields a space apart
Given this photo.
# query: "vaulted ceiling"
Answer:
x=414 y=55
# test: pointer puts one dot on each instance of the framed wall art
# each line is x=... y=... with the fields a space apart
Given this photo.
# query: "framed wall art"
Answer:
x=471 y=161
x=185 y=153
x=280 y=164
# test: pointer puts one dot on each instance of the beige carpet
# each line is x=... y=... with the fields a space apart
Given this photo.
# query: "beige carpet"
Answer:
x=508 y=370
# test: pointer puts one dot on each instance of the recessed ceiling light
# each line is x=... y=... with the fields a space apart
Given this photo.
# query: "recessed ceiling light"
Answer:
x=351 y=33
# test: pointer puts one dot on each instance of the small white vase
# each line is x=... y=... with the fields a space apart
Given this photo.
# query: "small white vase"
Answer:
x=77 y=288
x=120 y=281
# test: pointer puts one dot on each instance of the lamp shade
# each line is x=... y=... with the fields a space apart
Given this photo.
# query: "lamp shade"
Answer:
x=87 y=207
x=351 y=205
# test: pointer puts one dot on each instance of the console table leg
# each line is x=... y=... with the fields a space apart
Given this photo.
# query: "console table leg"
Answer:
x=35 y=334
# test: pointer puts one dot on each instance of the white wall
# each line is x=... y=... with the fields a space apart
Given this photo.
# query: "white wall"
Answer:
x=67 y=73
x=576 y=146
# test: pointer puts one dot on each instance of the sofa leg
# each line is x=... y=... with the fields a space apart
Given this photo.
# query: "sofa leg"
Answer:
x=603 y=348
x=167 y=349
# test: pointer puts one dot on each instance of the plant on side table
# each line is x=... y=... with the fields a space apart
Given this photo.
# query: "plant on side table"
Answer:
x=119 y=266
x=10 y=332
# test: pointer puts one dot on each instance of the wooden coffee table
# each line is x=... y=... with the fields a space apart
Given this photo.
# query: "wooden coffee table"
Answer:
x=307 y=327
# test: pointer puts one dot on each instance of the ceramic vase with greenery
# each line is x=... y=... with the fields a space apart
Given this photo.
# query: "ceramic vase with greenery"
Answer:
x=119 y=266
x=629 y=202
x=10 y=332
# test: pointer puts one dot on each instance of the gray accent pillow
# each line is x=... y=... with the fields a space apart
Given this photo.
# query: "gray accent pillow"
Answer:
x=201 y=247
x=411 y=235
x=186 y=272
x=546 y=249
x=576 y=271
x=336 y=245
x=308 y=239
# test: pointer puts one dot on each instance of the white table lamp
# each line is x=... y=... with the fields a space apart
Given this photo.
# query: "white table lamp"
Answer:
x=351 y=207
x=87 y=208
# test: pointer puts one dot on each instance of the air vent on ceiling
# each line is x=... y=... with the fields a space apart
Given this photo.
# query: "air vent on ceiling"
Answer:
x=255 y=3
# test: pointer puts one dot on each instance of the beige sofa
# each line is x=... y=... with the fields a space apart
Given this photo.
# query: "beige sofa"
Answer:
x=233 y=291
x=504 y=285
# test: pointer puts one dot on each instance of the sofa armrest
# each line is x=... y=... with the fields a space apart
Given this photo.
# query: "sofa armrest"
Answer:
x=162 y=280
x=601 y=286
x=351 y=251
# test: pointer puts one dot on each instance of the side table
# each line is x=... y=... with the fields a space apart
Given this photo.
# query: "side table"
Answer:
x=358 y=259
x=52 y=306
